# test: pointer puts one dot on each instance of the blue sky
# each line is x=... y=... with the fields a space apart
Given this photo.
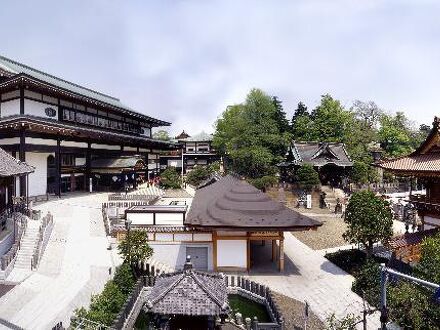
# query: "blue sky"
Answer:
x=185 y=61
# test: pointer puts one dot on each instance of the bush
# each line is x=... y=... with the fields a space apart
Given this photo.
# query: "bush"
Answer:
x=170 y=178
x=367 y=283
x=105 y=306
x=264 y=182
x=197 y=175
x=348 y=322
x=429 y=265
x=124 y=278
x=307 y=177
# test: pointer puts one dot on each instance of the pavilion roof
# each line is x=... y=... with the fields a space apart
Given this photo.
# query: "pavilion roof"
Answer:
x=232 y=203
x=201 y=137
x=409 y=239
x=188 y=292
x=9 y=166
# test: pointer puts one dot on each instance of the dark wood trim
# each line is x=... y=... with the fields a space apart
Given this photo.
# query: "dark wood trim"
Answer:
x=22 y=157
x=21 y=100
x=58 y=167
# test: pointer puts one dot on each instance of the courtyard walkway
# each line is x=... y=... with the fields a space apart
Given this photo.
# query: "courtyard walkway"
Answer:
x=309 y=276
x=75 y=265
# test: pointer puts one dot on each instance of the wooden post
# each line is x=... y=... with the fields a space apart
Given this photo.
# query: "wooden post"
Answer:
x=214 y=249
x=248 y=253
x=274 y=249
x=22 y=158
x=281 y=255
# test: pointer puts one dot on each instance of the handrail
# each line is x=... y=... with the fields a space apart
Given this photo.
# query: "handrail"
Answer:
x=20 y=225
x=43 y=237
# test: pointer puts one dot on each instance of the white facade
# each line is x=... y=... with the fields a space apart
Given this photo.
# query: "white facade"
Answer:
x=38 y=109
x=232 y=253
x=10 y=108
x=38 y=179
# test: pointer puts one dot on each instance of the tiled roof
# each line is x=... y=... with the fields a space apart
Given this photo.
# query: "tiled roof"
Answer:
x=119 y=162
x=16 y=68
x=318 y=154
x=234 y=203
x=188 y=292
x=9 y=166
x=411 y=238
x=420 y=163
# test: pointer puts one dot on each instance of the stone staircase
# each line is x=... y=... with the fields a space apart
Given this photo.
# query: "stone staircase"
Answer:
x=27 y=246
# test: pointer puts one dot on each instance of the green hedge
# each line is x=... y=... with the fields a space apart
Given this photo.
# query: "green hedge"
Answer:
x=105 y=306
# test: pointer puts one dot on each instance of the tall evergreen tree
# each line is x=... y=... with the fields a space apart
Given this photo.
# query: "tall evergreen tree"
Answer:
x=280 y=115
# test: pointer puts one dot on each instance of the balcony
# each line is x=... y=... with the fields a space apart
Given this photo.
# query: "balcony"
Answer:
x=425 y=204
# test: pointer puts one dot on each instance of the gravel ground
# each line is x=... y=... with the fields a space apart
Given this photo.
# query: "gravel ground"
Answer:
x=293 y=313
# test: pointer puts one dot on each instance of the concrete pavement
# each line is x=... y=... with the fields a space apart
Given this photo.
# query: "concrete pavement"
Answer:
x=308 y=276
x=75 y=264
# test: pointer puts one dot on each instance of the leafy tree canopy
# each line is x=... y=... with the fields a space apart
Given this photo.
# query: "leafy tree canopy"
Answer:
x=429 y=265
x=162 y=135
x=197 y=175
x=135 y=247
x=170 y=178
x=251 y=135
x=369 y=220
x=307 y=177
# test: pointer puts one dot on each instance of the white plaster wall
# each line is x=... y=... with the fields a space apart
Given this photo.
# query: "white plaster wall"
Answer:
x=164 y=237
x=174 y=254
x=74 y=144
x=9 y=108
x=38 y=179
x=232 y=253
x=140 y=218
x=105 y=146
x=35 y=108
x=175 y=162
x=40 y=141
x=169 y=219
x=202 y=237
x=183 y=237
x=9 y=141
x=431 y=222
x=130 y=149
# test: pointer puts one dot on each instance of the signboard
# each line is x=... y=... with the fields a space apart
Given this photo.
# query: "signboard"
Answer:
x=309 y=201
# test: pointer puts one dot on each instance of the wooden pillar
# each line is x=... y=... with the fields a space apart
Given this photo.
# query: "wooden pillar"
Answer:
x=58 y=168
x=281 y=255
x=214 y=250
x=22 y=157
x=248 y=252
x=72 y=182
x=88 y=166
x=274 y=250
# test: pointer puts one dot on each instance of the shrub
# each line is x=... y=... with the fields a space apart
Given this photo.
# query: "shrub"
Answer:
x=429 y=265
x=348 y=322
x=369 y=220
x=264 y=182
x=124 y=278
x=307 y=177
x=197 y=175
x=170 y=178
x=367 y=282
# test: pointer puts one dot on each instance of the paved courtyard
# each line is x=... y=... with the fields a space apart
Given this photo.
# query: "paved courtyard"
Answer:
x=308 y=276
x=75 y=265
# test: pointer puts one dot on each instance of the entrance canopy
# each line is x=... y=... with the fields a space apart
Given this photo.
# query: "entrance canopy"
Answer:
x=232 y=203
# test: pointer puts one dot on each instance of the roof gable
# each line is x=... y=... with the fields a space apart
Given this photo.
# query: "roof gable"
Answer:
x=9 y=166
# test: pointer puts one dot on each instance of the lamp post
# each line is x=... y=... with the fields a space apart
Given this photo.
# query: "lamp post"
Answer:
x=128 y=226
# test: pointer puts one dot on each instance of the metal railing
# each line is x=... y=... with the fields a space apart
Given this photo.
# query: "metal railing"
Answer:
x=20 y=224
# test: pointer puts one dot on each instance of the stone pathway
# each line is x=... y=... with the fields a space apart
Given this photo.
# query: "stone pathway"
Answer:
x=309 y=276
x=75 y=264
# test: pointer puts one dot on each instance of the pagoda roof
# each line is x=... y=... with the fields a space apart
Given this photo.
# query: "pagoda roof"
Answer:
x=188 y=292
x=9 y=166
x=232 y=203
x=18 y=71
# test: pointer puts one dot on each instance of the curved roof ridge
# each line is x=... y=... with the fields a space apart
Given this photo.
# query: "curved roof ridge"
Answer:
x=167 y=290
x=194 y=275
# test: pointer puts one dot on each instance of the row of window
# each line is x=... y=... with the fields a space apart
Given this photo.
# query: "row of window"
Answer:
x=90 y=119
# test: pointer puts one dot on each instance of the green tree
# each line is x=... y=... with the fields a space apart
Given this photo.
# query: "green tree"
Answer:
x=135 y=247
x=307 y=177
x=249 y=135
x=264 y=182
x=367 y=282
x=348 y=322
x=429 y=265
x=369 y=220
x=280 y=115
x=395 y=134
x=330 y=120
x=170 y=178
x=300 y=111
x=162 y=135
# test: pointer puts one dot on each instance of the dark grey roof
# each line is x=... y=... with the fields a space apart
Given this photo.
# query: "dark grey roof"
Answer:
x=9 y=166
x=17 y=68
x=234 y=203
x=188 y=292
x=320 y=153
x=119 y=162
